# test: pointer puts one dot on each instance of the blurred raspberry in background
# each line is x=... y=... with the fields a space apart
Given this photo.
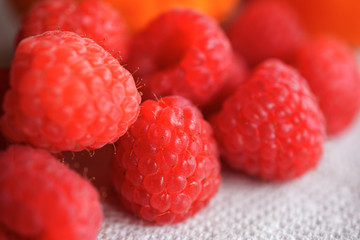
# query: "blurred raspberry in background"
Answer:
x=138 y=12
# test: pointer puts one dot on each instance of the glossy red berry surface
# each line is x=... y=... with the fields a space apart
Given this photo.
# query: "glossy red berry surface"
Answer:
x=42 y=199
x=272 y=126
x=266 y=29
x=90 y=18
x=166 y=166
x=331 y=71
x=181 y=52
x=67 y=93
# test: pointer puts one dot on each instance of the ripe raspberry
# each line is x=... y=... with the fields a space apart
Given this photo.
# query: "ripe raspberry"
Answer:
x=166 y=167
x=67 y=94
x=272 y=126
x=266 y=29
x=42 y=199
x=182 y=52
x=92 y=18
x=330 y=68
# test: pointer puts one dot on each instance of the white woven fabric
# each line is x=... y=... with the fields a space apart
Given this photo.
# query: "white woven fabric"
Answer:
x=324 y=204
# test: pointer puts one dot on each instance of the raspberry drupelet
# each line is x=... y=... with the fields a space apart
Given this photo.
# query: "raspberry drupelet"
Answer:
x=42 y=199
x=67 y=93
x=166 y=167
x=181 y=52
x=330 y=68
x=90 y=18
x=272 y=126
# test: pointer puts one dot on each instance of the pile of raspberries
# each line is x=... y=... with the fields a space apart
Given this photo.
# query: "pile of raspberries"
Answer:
x=171 y=103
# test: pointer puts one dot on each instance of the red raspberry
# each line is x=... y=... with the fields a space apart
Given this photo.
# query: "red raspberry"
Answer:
x=42 y=199
x=331 y=70
x=166 y=167
x=182 y=52
x=68 y=93
x=266 y=29
x=272 y=126
x=94 y=19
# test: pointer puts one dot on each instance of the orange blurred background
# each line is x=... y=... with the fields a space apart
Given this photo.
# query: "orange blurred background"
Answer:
x=340 y=18
x=337 y=17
